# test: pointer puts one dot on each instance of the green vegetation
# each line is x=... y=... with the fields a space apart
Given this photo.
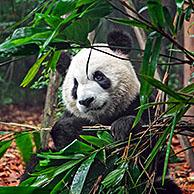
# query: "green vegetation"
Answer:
x=53 y=26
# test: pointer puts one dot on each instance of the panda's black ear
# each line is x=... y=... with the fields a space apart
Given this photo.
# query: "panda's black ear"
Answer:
x=119 y=41
x=63 y=63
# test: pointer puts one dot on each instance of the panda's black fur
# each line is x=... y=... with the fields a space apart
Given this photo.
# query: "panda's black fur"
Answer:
x=69 y=127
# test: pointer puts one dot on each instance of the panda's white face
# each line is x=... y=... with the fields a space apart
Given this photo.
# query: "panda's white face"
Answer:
x=110 y=85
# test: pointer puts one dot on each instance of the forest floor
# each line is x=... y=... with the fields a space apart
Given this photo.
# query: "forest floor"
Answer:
x=12 y=165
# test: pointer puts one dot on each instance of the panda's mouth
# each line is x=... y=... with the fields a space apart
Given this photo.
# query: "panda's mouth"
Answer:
x=92 y=109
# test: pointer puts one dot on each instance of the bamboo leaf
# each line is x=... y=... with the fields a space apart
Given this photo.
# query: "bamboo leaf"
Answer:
x=105 y=136
x=94 y=140
x=163 y=87
x=177 y=116
x=144 y=69
x=34 y=70
x=115 y=176
x=168 y=20
x=83 y=2
x=129 y=22
x=188 y=89
x=169 y=148
x=96 y=10
x=60 y=185
x=102 y=156
x=156 y=12
x=76 y=147
x=148 y=67
x=22 y=190
x=4 y=145
x=61 y=26
x=61 y=157
x=53 y=171
x=24 y=143
x=156 y=148
x=179 y=3
x=63 y=7
x=81 y=174
x=183 y=109
x=54 y=59
x=37 y=139
x=149 y=64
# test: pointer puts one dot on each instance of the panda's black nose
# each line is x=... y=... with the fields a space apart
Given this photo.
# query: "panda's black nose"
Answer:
x=86 y=102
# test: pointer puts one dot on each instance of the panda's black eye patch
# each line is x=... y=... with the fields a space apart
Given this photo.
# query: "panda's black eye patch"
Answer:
x=74 y=89
x=101 y=79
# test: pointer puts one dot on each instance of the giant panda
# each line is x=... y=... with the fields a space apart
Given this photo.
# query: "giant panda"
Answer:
x=102 y=87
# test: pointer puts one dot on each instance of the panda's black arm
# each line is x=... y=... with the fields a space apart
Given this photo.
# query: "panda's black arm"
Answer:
x=67 y=129
x=122 y=125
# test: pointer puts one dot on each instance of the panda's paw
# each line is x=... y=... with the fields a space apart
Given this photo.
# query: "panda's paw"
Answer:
x=122 y=127
x=65 y=131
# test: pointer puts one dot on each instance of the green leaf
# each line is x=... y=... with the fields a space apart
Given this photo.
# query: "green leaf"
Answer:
x=188 y=13
x=175 y=105
x=94 y=140
x=61 y=184
x=78 y=30
x=59 y=157
x=76 y=147
x=145 y=70
x=168 y=20
x=129 y=22
x=54 y=59
x=37 y=140
x=34 y=70
x=4 y=145
x=163 y=87
x=27 y=182
x=53 y=171
x=188 y=89
x=155 y=11
x=27 y=32
x=81 y=174
x=182 y=110
x=177 y=116
x=121 y=190
x=6 y=53
x=22 y=190
x=52 y=21
x=96 y=10
x=45 y=176
x=61 y=26
x=83 y=2
x=179 y=3
x=105 y=136
x=148 y=67
x=115 y=176
x=179 y=21
x=169 y=148
x=63 y=7
x=24 y=143
x=157 y=146
x=149 y=64
x=102 y=156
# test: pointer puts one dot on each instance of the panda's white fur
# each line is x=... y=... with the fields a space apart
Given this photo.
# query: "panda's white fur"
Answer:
x=124 y=88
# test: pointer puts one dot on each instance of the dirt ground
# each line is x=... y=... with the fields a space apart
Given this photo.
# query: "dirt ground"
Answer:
x=12 y=165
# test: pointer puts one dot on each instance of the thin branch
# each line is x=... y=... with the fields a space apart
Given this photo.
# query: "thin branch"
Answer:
x=31 y=127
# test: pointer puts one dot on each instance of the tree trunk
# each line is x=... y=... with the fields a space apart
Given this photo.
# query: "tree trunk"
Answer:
x=49 y=108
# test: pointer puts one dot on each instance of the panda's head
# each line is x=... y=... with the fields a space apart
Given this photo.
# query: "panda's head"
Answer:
x=109 y=84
